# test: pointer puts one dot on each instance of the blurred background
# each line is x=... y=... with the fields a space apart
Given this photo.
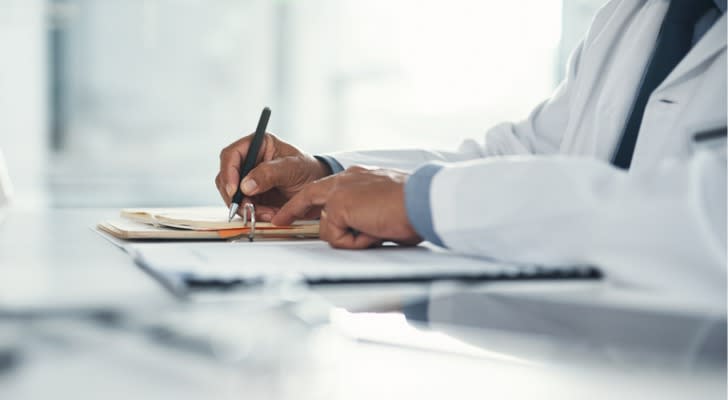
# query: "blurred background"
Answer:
x=113 y=103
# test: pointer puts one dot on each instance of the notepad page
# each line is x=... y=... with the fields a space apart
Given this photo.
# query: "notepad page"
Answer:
x=195 y=218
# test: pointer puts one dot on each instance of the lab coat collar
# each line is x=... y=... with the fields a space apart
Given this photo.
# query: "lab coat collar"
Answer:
x=712 y=42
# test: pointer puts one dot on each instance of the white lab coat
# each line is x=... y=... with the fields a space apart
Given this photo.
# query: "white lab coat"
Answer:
x=543 y=190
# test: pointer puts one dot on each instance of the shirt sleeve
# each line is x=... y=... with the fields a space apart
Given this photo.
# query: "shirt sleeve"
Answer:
x=334 y=166
x=417 y=202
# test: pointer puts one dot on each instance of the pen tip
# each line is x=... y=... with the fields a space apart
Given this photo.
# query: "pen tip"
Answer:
x=233 y=210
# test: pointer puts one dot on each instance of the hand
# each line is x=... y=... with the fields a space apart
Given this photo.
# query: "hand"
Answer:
x=361 y=208
x=281 y=171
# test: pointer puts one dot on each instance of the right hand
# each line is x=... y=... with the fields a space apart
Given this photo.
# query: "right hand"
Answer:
x=281 y=171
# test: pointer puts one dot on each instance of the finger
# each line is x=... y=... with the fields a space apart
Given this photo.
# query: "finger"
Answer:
x=323 y=226
x=265 y=213
x=344 y=238
x=232 y=158
x=230 y=161
x=262 y=213
x=221 y=190
x=314 y=194
x=313 y=213
x=268 y=175
x=340 y=236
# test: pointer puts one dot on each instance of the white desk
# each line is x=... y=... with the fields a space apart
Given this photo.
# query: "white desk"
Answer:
x=54 y=270
x=53 y=259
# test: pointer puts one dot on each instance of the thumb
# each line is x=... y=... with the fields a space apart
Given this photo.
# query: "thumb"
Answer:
x=268 y=175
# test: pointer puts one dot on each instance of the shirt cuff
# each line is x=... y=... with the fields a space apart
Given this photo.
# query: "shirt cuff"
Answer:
x=334 y=166
x=417 y=202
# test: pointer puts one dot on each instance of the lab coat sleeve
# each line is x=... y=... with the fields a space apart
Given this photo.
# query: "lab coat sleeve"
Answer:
x=540 y=133
x=663 y=228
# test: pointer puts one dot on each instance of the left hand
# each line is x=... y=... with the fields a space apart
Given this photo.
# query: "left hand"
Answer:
x=361 y=208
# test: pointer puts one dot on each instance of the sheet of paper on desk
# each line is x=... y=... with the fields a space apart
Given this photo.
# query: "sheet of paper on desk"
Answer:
x=318 y=263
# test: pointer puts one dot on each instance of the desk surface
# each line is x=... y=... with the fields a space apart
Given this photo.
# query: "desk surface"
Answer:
x=53 y=259
x=79 y=320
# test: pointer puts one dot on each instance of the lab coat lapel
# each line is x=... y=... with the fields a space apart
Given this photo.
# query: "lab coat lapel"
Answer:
x=712 y=42
x=594 y=68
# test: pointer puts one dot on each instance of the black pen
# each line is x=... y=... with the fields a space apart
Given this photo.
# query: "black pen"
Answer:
x=250 y=158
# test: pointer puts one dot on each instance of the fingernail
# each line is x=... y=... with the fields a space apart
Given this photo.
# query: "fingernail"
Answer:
x=249 y=186
x=230 y=189
x=266 y=217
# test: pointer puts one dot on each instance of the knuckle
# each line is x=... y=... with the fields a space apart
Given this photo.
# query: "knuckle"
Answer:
x=264 y=174
x=320 y=180
x=343 y=243
x=295 y=203
x=336 y=244
x=336 y=202
x=335 y=214
x=269 y=140
x=306 y=192
x=260 y=172
x=288 y=161
x=355 y=169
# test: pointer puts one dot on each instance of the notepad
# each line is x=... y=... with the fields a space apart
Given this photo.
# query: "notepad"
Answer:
x=198 y=223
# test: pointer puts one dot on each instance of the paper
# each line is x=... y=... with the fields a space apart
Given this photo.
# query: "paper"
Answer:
x=198 y=223
x=195 y=218
x=315 y=261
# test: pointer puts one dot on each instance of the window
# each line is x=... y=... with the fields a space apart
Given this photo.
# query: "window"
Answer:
x=145 y=93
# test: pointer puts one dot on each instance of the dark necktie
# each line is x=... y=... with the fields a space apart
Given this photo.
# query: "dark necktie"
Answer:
x=673 y=43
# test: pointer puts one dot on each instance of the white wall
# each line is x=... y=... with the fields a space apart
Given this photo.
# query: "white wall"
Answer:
x=23 y=118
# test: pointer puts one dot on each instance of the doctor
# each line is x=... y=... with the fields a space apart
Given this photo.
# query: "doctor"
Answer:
x=623 y=167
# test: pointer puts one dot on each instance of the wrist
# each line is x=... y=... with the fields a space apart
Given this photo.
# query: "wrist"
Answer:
x=322 y=169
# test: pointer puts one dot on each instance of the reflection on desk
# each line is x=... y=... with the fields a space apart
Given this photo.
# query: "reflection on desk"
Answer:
x=581 y=321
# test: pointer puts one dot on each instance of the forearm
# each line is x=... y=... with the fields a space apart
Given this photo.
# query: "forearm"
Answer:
x=402 y=159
